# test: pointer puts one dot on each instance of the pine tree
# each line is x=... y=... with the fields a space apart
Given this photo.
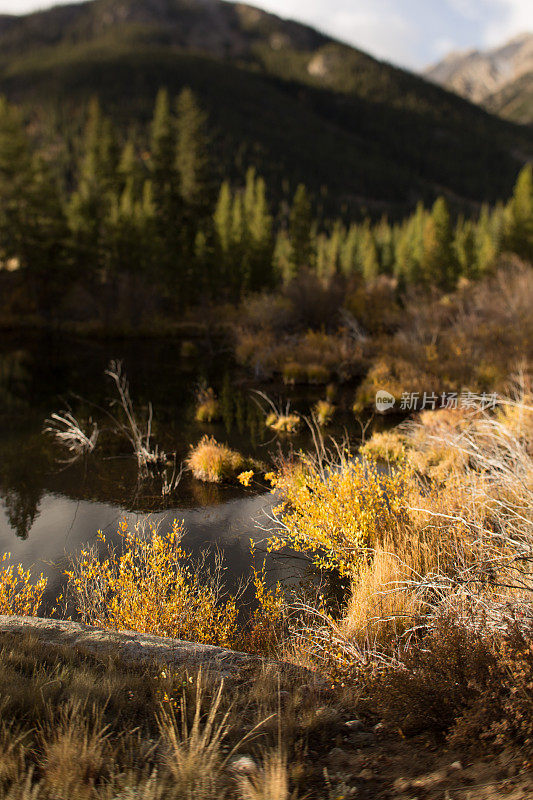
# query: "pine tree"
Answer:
x=518 y=231
x=383 y=237
x=282 y=256
x=222 y=223
x=465 y=248
x=439 y=262
x=89 y=210
x=349 y=251
x=129 y=170
x=300 y=231
x=369 y=255
x=192 y=156
x=16 y=178
x=487 y=247
x=173 y=265
x=259 y=235
x=238 y=263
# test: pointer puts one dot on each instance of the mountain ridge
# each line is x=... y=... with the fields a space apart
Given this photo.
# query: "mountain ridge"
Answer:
x=489 y=77
x=282 y=96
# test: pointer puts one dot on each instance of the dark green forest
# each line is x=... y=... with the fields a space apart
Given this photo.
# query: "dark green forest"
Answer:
x=144 y=225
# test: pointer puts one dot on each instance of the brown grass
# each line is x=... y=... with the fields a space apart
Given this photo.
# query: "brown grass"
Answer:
x=212 y=462
x=473 y=339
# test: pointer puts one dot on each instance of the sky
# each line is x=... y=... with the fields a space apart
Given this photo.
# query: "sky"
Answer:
x=411 y=33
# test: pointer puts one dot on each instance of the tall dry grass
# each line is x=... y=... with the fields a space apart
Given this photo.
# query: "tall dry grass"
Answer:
x=76 y=726
x=444 y=531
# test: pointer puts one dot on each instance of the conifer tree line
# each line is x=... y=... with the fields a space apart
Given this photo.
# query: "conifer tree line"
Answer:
x=150 y=212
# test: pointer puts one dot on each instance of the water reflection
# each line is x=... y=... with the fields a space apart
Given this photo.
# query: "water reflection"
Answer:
x=48 y=509
x=15 y=379
x=64 y=525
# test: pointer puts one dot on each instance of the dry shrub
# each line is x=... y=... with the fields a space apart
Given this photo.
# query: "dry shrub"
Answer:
x=378 y=609
x=471 y=339
x=18 y=593
x=424 y=443
x=152 y=586
x=93 y=727
x=323 y=412
x=271 y=782
x=473 y=685
x=266 y=630
x=311 y=357
x=315 y=303
x=375 y=305
x=445 y=532
x=283 y=423
x=192 y=749
x=212 y=462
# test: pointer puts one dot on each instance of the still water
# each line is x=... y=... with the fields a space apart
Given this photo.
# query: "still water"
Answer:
x=49 y=509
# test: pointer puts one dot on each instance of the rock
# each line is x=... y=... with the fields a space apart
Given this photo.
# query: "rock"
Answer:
x=366 y=775
x=401 y=784
x=131 y=647
x=379 y=728
x=430 y=780
x=456 y=766
x=338 y=756
x=243 y=765
x=354 y=725
x=362 y=738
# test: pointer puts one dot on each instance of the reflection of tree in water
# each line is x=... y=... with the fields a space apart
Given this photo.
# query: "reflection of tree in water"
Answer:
x=22 y=506
x=15 y=378
x=22 y=471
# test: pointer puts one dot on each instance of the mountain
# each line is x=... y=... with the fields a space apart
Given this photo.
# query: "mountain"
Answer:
x=295 y=103
x=501 y=78
x=515 y=100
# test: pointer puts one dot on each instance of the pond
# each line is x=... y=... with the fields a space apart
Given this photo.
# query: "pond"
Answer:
x=49 y=508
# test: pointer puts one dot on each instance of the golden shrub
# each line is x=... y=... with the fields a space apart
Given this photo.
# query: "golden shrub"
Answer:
x=283 y=423
x=18 y=594
x=151 y=586
x=338 y=513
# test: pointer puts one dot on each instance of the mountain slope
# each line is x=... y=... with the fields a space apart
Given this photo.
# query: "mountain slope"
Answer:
x=515 y=100
x=500 y=78
x=280 y=95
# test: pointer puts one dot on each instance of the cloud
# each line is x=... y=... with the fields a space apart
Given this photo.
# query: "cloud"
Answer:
x=511 y=17
x=381 y=27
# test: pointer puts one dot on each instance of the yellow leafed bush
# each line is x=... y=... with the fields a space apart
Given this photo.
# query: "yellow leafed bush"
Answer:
x=18 y=594
x=151 y=586
x=338 y=513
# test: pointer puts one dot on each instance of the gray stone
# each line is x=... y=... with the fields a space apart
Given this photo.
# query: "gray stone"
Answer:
x=243 y=765
x=130 y=647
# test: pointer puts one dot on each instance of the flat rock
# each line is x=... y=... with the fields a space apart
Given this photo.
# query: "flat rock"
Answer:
x=131 y=647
